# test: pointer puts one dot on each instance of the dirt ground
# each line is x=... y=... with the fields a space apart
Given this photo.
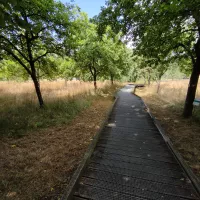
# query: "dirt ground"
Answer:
x=40 y=165
x=184 y=133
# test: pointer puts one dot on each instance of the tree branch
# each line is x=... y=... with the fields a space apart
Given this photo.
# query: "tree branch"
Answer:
x=14 y=47
x=187 y=50
x=90 y=68
x=18 y=60
x=39 y=57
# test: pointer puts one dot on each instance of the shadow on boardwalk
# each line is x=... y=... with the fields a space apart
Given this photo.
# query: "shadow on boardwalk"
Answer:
x=132 y=161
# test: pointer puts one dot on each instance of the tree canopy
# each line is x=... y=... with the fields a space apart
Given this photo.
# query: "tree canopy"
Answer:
x=47 y=39
x=159 y=29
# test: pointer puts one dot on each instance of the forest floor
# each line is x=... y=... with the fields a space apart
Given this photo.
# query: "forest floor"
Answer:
x=167 y=107
x=40 y=163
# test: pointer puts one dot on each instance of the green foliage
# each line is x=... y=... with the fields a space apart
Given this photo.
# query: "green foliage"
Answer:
x=104 y=57
x=42 y=44
x=10 y=70
x=159 y=29
x=34 y=31
x=5 y=8
x=36 y=28
x=174 y=72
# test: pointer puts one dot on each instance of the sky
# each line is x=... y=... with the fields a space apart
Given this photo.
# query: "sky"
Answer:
x=91 y=7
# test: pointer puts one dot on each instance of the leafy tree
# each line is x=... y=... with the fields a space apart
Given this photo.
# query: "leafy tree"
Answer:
x=5 y=8
x=174 y=71
x=104 y=57
x=165 y=28
x=67 y=68
x=33 y=30
x=117 y=57
x=89 y=57
x=10 y=70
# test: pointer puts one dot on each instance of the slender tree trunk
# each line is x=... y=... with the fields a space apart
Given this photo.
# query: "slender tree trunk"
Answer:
x=95 y=81
x=145 y=81
x=149 y=78
x=149 y=81
x=158 y=87
x=187 y=112
x=37 y=89
x=38 y=76
x=112 y=79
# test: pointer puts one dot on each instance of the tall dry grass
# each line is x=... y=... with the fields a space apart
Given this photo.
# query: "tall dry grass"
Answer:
x=171 y=91
x=17 y=93
x=20 y=113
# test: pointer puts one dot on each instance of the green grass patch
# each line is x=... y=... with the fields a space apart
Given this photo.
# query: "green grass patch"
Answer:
x=19 y=120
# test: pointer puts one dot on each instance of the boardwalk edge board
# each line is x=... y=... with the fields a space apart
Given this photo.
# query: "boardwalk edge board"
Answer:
x=77 y=174
x=194 y=179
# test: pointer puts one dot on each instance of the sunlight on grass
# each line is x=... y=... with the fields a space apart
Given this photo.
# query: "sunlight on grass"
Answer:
x=171 y=91
x=20 y=113
x=16 y=93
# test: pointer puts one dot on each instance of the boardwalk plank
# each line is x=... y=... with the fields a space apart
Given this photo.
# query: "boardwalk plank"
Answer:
x=141 y=192
x=184 y=182
x=138 y=183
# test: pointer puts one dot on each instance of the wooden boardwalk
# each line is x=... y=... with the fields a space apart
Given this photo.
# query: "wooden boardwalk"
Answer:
x=132 y=161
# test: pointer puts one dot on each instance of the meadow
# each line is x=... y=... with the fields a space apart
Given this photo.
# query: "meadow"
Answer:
x=172 y=91
x=41 y=148
x=17 y=93
x=20 y=112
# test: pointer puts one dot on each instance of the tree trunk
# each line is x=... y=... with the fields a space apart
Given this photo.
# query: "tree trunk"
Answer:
x=112 y=79
x=149 y=78
x=144 y=81
x=95 y=81
x=38 y=77
x=37 y=89
x=187 y=112
x=158 y=87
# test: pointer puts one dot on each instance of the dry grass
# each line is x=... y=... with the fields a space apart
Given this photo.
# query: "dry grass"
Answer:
x=171 y=91
x=16 y=93
x=19 y=111
x=167 y=106
x=40 y=165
